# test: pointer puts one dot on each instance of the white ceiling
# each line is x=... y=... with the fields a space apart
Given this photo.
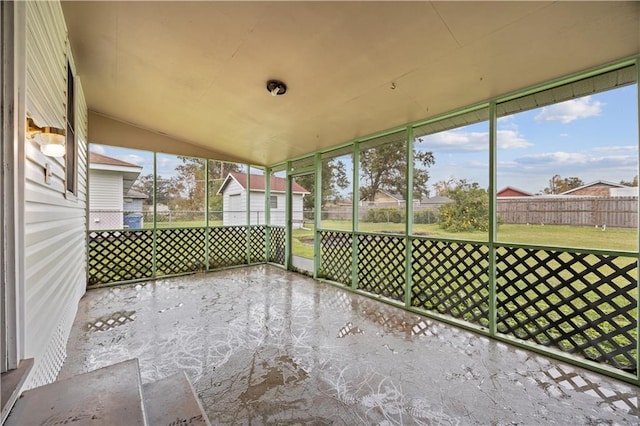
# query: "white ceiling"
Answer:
x=196 y=71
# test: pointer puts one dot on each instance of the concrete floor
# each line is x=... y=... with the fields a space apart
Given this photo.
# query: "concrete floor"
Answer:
x=265 y=346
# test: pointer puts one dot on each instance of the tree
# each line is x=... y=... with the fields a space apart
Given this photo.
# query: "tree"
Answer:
x=218 y=172
x=384 y=168
x=469 y=210
x=334 y=179
x=558 y=185
x=144 y=184
x=634 y=182
x=190 y=181
x=442 y=187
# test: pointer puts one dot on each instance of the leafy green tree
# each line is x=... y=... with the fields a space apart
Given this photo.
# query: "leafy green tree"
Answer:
x=334 y=179
x=385 y=168
x=634 y=182
x=218 y=172
x=558 y=185
x=190 y=178
x=469 y=210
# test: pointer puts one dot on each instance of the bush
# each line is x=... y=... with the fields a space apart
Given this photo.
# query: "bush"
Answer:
x=425 y=217
x=384 y=215
x=468 y=212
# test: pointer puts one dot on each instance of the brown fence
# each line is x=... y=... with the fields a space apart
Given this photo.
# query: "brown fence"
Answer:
x=617 y=212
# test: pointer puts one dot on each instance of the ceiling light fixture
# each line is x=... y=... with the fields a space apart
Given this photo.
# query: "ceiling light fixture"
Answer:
x=51 y=139
x=276 y=87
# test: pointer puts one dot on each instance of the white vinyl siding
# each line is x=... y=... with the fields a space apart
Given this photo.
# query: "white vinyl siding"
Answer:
x=106 y=203
x=234 y=210
x=54 y=225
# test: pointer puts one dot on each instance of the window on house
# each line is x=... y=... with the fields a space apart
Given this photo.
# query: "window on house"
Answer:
x=273 y=202
x=71 y=155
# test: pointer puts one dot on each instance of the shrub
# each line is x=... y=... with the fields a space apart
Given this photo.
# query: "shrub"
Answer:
x=469 y=210
x=384 y=215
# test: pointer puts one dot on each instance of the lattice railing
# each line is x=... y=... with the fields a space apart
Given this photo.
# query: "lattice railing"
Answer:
x=119 y=256
x=277 y=244
x=381 y=265
x=452 y=279
x=581 y=303
x=227 y=246
x=257 y=244
x=336 y=254
x=180 y=250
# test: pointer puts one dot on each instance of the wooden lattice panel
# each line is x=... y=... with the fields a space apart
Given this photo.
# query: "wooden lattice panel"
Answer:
x=336 y=253
x=180 y=250
x=119 y=256
x=257 y=243
x=381 y=265
x=227 y=246
x=276 y=252
x=452 y=279
x=580 y=303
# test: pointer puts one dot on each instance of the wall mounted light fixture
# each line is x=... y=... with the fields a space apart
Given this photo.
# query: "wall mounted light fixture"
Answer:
x=276 y=87
x=51 y=139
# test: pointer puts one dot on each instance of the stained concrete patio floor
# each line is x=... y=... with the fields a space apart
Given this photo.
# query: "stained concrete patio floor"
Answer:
x=266 y=346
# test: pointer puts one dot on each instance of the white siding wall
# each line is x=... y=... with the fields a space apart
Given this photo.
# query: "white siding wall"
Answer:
x=54 y=223
x=105 y=200
x=296 y=211
x=256 y=207
x=230 y=217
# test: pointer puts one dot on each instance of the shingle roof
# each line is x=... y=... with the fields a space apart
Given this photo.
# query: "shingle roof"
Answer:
x=278 y=184
x=103 y=159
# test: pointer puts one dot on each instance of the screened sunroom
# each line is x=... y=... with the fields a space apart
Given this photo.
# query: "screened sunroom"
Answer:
x=329 y=212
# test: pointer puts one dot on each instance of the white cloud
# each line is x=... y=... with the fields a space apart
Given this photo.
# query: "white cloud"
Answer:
x=133 y=159
x=616 y=148
x=456 y=141
x=511 y=139
x=571 y=110
x=561 y=162
x=98 y=149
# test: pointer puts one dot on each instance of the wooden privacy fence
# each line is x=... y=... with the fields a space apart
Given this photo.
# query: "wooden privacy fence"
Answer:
x=617 y=212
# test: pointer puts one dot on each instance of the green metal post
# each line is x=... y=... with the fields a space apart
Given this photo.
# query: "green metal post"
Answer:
x=206 y=215
x=317 y=215
x=355 y=212
x=408 y=278
x=493 y=219
x=248 y=217
x=638 y=229
x=155 y=215
x=287 y=221
x=267 y=213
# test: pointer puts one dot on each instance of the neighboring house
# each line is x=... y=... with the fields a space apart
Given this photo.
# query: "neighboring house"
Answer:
x=510 y=191
x=234 y=200
x=385 y=199
x=133 y=206
x=627 y=191
x=112 y=203
x=599 y=188
x=436 y=201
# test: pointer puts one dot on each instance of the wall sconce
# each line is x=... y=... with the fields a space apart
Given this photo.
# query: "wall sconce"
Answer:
x=51 y=139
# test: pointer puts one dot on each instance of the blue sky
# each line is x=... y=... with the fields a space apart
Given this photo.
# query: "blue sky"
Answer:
x=592 y=138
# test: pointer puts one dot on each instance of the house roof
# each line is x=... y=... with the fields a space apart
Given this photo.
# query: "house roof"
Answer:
x=136 y=194
x=278 y=184
x=95 y=158
x=597 y=182
x=399 y=62
x=514 y=189
x=394 y=195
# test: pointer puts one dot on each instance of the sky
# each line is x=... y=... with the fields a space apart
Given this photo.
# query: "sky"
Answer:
x=593 y=138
